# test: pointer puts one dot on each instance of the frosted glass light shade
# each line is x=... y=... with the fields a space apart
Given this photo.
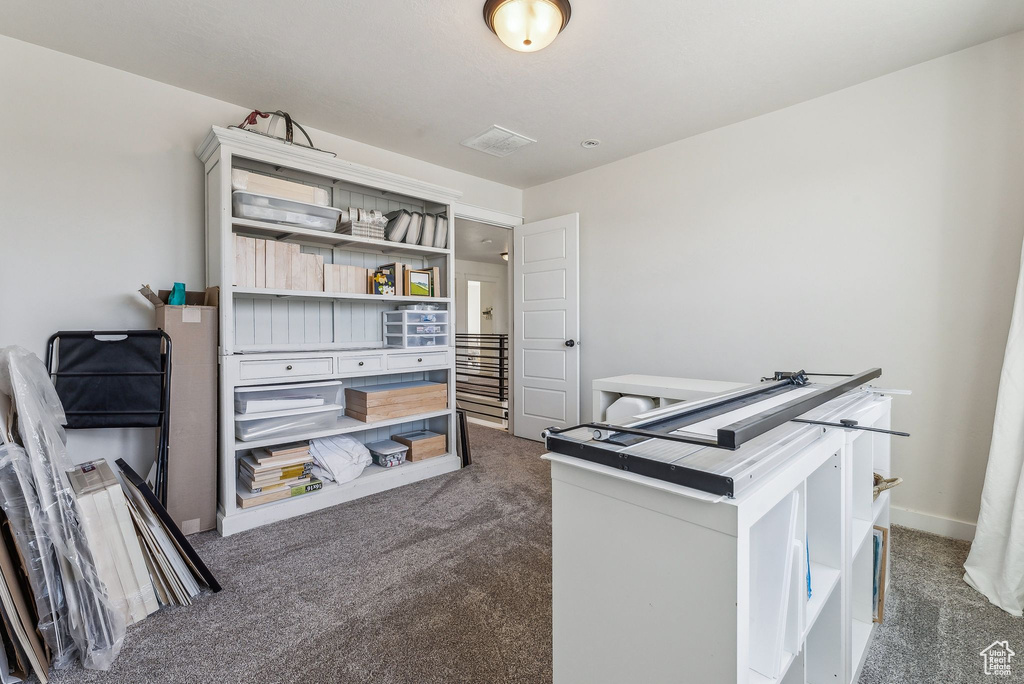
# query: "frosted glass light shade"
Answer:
x=527 y=25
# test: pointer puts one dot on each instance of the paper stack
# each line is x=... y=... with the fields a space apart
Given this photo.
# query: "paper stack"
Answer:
x=111 y=536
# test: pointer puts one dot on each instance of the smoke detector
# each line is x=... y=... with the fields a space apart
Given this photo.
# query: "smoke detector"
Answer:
x=590 y=142
x=497 y=141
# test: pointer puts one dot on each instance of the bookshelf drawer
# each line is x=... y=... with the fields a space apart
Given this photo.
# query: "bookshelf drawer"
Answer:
x=431 y=359
x=285 y=368
x=359 y=364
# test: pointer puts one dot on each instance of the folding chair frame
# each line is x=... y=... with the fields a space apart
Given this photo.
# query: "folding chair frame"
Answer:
x=163 y=442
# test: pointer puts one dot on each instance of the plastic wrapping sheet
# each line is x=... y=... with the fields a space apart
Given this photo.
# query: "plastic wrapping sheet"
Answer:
x=20 y=504
x=96 y=628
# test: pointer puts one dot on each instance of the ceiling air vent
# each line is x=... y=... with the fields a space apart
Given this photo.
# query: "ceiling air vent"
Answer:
x=497 y=141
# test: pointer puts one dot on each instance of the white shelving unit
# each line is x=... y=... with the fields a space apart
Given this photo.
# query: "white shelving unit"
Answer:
x=656 y=582
x=270 y=336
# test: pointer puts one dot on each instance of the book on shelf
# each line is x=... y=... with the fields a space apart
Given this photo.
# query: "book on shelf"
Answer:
x=265 y=484
x=285 y=449
x=249 y=461
x=246 y=499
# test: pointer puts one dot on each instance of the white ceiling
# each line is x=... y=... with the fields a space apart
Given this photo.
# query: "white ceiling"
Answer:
x=470 y=245
x=418 y=76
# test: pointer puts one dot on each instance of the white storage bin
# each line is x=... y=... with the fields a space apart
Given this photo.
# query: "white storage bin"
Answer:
x=286 y=397
x=418 y=316
x=426 y=329
x=278 y=210
x=387 y=453
x=415 y=328
x=418 y=341
x=253 y=426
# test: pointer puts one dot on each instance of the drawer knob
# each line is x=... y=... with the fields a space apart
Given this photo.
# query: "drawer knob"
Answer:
x=419 y=360
x=360 y=363
x=288 y=367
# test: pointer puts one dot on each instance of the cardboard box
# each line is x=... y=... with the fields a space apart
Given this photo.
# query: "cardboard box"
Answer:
x=192 y=456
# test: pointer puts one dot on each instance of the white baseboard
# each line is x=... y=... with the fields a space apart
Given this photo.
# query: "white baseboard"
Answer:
x=935 y=524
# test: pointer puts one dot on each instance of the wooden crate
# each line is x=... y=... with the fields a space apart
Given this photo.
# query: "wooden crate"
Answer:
x=395 y=400
x=422 y=444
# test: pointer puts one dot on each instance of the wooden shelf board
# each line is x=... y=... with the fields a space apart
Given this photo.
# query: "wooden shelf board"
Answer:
x=823 y=581
x=879 y=505
x=758 y=678
x=861 y=532
x=373 y=479
x=344 y=425
x=312 y=294
x=861 y=632
x=279 y=231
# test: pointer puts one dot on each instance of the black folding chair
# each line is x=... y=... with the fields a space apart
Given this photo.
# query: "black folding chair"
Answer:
x=115 y=379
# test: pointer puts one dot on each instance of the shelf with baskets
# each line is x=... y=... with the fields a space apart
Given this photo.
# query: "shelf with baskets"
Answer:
x=320 y=327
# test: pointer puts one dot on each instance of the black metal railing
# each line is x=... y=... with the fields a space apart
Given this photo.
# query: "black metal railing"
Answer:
x=481 y=375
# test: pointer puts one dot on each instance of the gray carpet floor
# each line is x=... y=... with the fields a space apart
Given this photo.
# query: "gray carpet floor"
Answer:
x=935 y=625
x=449 y=580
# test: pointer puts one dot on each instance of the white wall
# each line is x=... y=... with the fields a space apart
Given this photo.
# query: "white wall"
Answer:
x=100 y=191
x=877 y=226
x=497 y=274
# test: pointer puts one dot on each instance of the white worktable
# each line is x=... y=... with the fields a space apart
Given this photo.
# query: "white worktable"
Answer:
x=655 y=582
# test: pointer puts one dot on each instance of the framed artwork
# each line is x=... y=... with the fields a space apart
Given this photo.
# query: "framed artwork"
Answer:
x=387 y=280
x=421 y=282
x=880 y=545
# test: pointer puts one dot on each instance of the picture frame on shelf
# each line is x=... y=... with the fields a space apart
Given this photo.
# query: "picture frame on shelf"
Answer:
x=419 y=282
x=880 y=547
x=387 y=280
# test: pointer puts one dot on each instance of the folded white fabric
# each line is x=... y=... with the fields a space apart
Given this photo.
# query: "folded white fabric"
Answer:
x=340 y=458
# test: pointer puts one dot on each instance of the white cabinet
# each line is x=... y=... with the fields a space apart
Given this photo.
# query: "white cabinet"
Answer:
x=274 y=335
x=654 y=582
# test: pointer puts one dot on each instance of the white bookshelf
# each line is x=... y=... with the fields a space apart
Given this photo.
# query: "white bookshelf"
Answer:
x=657 y=582
x=273 y=336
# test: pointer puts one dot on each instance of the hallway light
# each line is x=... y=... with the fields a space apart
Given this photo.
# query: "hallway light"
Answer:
x=504 y=255
x=526 y=25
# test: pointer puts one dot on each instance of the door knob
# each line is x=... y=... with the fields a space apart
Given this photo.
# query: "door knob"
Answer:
x=570 y=343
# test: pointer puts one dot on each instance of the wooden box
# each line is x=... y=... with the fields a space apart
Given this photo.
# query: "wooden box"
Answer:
x=343 y=278
x=422 y=444
x=395 y=400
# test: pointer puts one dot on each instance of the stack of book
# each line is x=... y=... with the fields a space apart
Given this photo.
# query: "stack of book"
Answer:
x=275 y=473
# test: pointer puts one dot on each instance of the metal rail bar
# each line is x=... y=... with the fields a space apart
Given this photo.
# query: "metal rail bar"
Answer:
x=732 y=436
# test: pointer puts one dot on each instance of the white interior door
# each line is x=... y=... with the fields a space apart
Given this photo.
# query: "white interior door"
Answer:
x=546 y=310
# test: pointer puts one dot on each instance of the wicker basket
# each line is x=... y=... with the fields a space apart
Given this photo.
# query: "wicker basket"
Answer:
x=361 y=229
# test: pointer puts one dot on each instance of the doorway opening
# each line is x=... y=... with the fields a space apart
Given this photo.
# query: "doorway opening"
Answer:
x=482 y=322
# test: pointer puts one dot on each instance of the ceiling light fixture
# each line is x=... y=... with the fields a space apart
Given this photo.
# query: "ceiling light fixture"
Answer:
x=526 y=25
x=504 y=255
x=590 y=142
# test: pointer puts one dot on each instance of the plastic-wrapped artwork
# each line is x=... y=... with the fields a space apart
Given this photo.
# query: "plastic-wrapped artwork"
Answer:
x=37 y=498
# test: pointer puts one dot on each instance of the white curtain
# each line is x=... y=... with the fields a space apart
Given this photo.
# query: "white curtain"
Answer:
x=995 y=566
